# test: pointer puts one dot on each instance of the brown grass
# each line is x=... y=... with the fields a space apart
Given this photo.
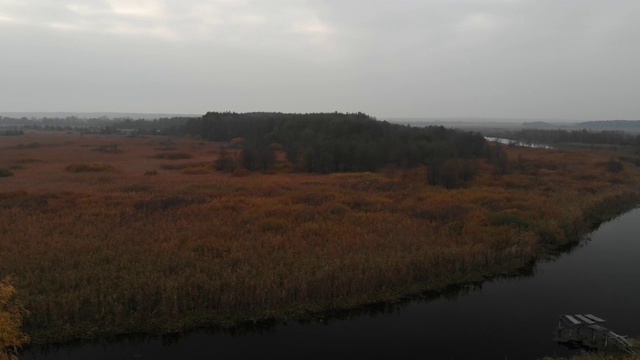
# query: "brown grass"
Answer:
x=93 y=255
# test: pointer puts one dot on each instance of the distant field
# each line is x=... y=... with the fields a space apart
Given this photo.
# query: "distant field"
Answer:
x=39 y=160
x=113 y=234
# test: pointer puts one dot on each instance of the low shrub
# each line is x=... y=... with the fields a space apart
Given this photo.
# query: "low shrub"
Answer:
x=201 y=170
x=614 y=166
x=510 y=219
x=240 y=172
x=166 y=203
x=26 y=161
x=76 y=168
x=173 y=155
x=29 y=146
x=183 y=166
x=12 y=314
x=5 y=173
x=138 y=188
x=109 y=149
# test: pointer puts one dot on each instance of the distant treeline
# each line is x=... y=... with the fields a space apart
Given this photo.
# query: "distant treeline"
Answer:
x=314 y=142
x=69 y=121
x=611 y=124
x=11 y=131
x=555 y=137
x=102 y=125
x=351 y=142
x=162 y=126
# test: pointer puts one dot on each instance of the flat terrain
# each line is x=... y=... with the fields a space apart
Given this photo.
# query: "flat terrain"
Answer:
x=109 y=234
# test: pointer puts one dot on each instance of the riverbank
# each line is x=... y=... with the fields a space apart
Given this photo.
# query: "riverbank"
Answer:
x=599 y=356
x=120 y=251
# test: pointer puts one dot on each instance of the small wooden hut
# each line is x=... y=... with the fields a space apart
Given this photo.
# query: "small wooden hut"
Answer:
x=590 y=331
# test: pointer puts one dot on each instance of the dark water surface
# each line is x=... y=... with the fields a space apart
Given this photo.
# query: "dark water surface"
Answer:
x=502 y=319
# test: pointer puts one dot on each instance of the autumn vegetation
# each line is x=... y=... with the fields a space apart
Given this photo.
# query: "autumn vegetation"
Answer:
x=12 y=314
x=164 y=243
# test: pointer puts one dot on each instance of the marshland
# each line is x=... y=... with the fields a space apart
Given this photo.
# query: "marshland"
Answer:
x=107 y=234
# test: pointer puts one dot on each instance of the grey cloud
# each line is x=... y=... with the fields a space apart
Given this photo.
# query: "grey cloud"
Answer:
x=519 y=59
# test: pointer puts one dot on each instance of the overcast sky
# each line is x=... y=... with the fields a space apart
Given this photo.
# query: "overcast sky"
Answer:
x=526 y=59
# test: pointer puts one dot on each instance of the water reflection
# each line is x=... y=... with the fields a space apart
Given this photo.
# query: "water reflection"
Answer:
x=517 y=143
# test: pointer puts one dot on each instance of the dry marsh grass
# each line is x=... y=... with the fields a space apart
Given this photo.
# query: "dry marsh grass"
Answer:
x=132 y=252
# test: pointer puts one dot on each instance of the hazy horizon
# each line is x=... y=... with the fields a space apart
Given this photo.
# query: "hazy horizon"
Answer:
x=154 y=115
x=492 y=59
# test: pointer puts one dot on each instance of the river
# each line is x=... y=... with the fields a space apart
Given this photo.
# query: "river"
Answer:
x=509 y=318
x=517 y=143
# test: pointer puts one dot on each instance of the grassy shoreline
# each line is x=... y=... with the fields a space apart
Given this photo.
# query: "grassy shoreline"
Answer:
x=115 y=252
x=326 y=309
